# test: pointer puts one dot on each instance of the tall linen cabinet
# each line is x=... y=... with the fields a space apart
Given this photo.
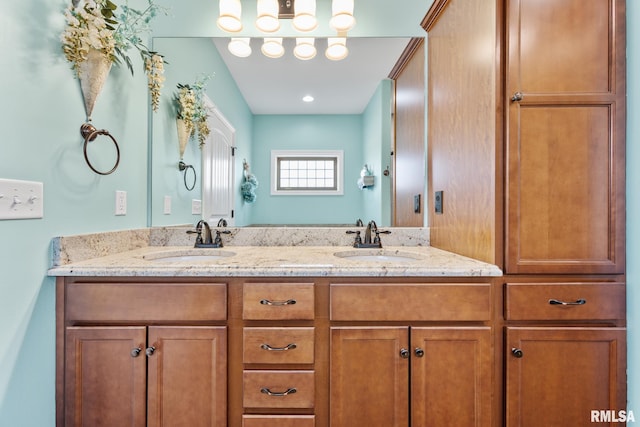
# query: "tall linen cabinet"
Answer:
x=526 y=143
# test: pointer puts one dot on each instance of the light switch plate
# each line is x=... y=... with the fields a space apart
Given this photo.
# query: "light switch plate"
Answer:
x=21 y=199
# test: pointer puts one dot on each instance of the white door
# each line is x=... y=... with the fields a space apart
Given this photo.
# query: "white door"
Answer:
x=217 y=168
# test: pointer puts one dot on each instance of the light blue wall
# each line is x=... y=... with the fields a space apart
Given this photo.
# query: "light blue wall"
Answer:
x=307 y=132
x=377 y=154
x=40 y=117
x=633 y=204
x=188 y=59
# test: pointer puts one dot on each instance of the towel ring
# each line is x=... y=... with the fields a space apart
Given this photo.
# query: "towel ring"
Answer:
x=185 y=167
x=90 y=133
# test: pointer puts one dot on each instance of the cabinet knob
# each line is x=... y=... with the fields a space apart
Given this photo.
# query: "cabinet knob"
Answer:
x=419 y=352
x=517 y=352
x=517 y=97
x=135 y=352
x=404 y=353
x=150 y=350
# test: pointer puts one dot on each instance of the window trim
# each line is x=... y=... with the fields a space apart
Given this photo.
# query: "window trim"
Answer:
x=338 y=155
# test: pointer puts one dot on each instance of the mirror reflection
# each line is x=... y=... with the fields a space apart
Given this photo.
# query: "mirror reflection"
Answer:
x=256 y=108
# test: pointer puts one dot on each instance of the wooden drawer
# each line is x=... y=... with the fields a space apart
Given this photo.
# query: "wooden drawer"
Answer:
x=278 y=420
x=582 y=301
x=278 y=301
x=389 y=301
x=278 y=389
x=278 y=345
x=146 y=302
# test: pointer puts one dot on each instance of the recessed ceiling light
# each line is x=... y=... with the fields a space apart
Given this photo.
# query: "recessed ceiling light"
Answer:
x=307 y=98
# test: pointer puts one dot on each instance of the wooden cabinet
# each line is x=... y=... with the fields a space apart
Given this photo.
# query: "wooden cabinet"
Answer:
x=278 y=377
x=426 y=375
x=433 y=376
x=565 y=123
x=557 y=375
x=122 y=363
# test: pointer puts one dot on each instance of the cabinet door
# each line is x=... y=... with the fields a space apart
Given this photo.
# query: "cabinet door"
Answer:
x=565 y=136
x=369 y=378
x=187 y=376
x=451 y=377
x=105 y=377
x=557 y=376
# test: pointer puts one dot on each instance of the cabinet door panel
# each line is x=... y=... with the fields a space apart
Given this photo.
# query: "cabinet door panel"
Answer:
x=541 y=35
x=563 y=374
x=369 y=379
x=187 y=377
x=451 y=383
x=105 y=385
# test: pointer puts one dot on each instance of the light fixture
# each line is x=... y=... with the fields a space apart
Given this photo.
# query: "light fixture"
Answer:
x=342 y=15
x=230 y=16
x=305 y=48
x=267 y=20
x=304 y=18
x=307 y=98
x=240 y=47
x=272 y=47
x=336 y=48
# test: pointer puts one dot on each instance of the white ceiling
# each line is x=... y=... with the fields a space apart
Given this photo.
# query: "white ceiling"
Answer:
x=276 y=86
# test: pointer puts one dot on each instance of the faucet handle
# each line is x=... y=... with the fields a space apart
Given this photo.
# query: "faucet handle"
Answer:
x=378 y=233
x=358 y=239
x=197 y=231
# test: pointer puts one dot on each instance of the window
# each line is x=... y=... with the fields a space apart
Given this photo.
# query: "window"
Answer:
x=301 y=172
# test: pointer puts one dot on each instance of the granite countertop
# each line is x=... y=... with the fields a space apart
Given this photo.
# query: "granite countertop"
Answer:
x=263 y=261
x=256 y=252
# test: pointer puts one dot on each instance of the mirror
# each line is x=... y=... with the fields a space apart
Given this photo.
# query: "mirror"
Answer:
x=352 y=112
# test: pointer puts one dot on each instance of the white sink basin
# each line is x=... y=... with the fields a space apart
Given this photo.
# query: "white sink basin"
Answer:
x=378 y=255
x=189 y=255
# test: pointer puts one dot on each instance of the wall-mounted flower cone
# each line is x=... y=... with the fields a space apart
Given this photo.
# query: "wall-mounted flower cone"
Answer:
x=93 y=73
x=183 y=135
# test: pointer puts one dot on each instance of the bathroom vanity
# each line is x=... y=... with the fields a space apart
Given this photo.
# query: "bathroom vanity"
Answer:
x=273 y=335
x=319 y=336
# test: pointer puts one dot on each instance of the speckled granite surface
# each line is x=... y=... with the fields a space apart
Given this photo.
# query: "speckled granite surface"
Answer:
x=253 y=251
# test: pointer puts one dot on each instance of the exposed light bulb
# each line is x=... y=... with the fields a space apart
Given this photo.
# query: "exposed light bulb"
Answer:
x=304 y=18
x=240 y=47
x=336 y=48
x=305 y=48
x=230 y=17
x=272 y=47
x=342 y=15
x=267 y=20
x=308 y=98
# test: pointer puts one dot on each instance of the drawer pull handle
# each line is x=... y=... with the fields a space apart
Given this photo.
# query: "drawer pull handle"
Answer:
x=404 y=353
x=135 y=352
x=149 y=351
x=558 y=302
x=269 y=302
x=268 y=392
x=285 y=348
x=517 y=352
x=419 y=352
